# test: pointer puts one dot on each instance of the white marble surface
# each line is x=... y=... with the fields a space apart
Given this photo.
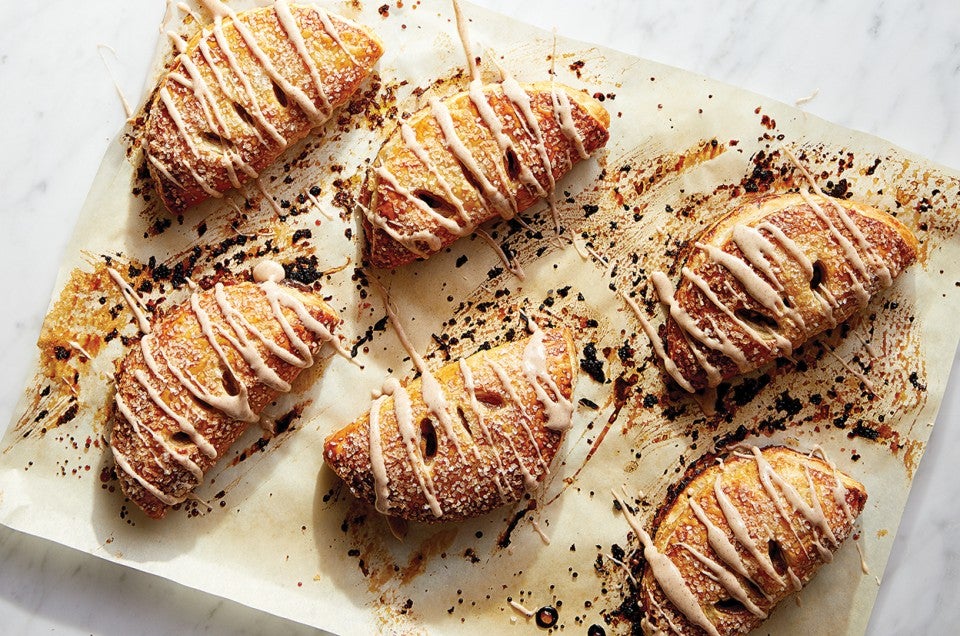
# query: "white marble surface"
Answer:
x=888 y=68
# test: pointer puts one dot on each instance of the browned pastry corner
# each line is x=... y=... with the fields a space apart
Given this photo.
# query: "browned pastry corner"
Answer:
x=235 y=98
x=489 y=152
x=742 y=536
x=506 y=408
x=772 y=274
x=193 y=385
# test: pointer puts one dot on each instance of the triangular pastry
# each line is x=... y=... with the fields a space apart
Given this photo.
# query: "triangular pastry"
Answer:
x=471 y=437
x=769 y=276
x=489 y=152
x=190 y=388
x=246 y=88
x=743 y=534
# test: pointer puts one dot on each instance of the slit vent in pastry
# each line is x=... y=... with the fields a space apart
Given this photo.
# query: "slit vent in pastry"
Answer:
x=244 y=89
x=770 y=275
x=468 y=439
x=489 y=152
x=192 y=386
x=741 y=537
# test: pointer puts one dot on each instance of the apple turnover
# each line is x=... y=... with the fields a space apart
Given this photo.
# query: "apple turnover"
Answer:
x=489 y=152
x=244 y=89
x=770 y=275
x=466 y=440
x=203 y=374
x=740 y=537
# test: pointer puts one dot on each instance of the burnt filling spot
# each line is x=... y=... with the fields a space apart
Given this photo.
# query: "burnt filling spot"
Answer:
x=428 y=439
x=230 y=384
x=213 y=138
x=464 y=420
x=490 y=398
x=281 y=96
x=436 y=203
x=471 y=178
x=819 y=275
x=180 y=438
x=513 y=164
x=756 y=319
x=777 y=557
x=243 y=114
x=730 y=606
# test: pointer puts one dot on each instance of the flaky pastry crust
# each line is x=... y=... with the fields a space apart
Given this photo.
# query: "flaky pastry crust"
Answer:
x=221 y=113
x=500 y=424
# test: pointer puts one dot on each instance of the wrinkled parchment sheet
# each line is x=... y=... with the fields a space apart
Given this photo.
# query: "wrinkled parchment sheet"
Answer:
x=274 y=529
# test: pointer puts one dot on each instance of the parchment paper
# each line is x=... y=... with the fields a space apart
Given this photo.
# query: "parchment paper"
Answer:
x=275 y=530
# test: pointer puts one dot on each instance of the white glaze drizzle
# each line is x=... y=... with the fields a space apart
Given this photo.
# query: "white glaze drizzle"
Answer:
x=410 y=436
x=408 y=241
x=689 y=326
x=668 y=363
x=184 y=7
x=719 y=543
x=524 y=418
x=253 y=104
x=127 y=109
x=758 y=251
x=505 y=205
x=780 y=343
x=490 y=119
x=125 y=465
x=318 y=205
x=201 y=90
x=755 y=286
x=543 y=535
x=863 y=561
x=468 y=383
x=878 y=266
x=388 y=177
x=668 y=576
x=854 y=372
x=649 y=628
x=409 y=137
x=169 y=450
x=237 y=407
x=378 y=463
x=521 y=99
x=133 y=300
x=464 y=32
x=563 y=107
x=740 y=532
x=230 y=158
x=162 y=170
x=511 y=266
x=430 y=389
x=488 y=192
x=295 y=35
x=250 y=354
x=523 y=610
x=185 y=425
x=559 y=409
x=727 y=580
x=220 y=11
x=772 y=482
x=839 y=491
